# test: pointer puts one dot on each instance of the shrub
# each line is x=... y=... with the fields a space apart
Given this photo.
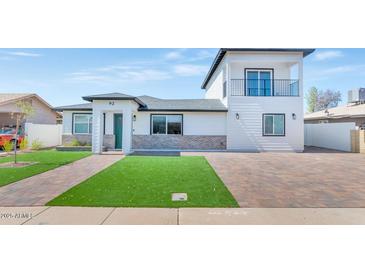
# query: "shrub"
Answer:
x=8 y=146
x=24 y=144
x=75 y=143
x=36 y=145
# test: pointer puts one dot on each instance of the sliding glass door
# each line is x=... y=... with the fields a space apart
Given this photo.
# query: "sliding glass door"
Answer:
x=258 y=82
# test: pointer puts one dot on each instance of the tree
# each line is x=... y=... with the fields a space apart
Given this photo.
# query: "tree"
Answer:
x=319 y=100
x=25 y=110
x=311 y=98
x=328 y=99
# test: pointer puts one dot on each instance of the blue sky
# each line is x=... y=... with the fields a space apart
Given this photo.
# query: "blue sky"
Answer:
x=62 y=76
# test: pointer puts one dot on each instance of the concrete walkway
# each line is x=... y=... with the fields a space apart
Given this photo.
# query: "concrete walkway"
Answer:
x=180 y=216
x=40 y=189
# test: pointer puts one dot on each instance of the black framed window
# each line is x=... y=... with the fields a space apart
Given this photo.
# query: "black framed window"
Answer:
x=166 y=124
x=273 y=124
x=82 y=123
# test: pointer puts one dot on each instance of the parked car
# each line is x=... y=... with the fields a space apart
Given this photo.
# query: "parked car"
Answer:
x=8 y=134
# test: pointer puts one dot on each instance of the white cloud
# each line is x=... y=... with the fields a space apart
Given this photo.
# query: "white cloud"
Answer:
x=144 y=75
x=204 y=54
x=147 y=70
x=88 y=77
x=115 y=68
x=23 y=53
x=190 y=70
x=174 y=55
x=193 y=57
x=339 y=69
x=120 y=74
x=328 y=54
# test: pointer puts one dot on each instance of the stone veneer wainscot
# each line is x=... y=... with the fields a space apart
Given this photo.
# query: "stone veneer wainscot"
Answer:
x=200 y=142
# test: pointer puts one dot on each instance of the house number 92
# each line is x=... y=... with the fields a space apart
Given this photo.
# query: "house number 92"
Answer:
x=111 y=103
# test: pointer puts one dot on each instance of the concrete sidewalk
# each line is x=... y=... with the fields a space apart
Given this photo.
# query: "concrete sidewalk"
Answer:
x=41 y=188
x=180 y=216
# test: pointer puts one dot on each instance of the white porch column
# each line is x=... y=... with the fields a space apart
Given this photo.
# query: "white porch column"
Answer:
x=127 y=131
x=300 y=111
x=300 y=77
x=97 y=132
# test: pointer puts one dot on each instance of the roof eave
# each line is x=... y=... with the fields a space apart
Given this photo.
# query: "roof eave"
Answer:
x=135 y=99
x=72 y=109
x=223 y=51
x=183 y=110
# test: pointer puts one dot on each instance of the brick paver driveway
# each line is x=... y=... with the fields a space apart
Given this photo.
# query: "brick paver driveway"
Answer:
x=40 y=189
x=316 y=178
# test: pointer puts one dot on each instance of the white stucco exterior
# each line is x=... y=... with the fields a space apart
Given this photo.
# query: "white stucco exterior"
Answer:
x=245 y=133
x=240 y=128
x=125 y=107
x=194 y=123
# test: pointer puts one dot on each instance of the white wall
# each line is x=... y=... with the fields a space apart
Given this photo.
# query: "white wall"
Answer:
x=214 y=88
x=194 y=123
x=329 y=135
x=126 y=107
x=48 y=135
x=246 y=132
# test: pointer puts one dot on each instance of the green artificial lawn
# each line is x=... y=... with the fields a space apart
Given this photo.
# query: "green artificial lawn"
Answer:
x=148 y=181
x=46 y=160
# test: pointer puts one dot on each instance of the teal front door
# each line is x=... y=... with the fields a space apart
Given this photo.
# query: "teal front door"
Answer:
x=118 y=130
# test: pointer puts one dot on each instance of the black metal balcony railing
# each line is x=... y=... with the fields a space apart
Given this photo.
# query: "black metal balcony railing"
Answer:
x=269 y=87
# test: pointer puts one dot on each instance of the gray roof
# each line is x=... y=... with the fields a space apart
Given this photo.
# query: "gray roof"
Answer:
x=223 y=51
x=204 y=105
x=149 y=103
x=112 y=96
x=348 y=111
x=87 y=106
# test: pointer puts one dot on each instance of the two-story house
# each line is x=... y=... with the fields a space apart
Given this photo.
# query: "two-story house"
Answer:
x=253 y=102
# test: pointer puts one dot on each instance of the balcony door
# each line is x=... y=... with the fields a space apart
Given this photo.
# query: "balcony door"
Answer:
x=258 y=82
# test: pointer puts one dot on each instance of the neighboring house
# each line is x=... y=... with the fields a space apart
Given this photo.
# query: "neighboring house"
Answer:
x=43 y=112
x=354 y=111
x=253 y=102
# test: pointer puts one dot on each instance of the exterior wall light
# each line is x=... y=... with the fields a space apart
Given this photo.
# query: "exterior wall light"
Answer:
x=134 y=117
x=237 y=116
x=294 y=116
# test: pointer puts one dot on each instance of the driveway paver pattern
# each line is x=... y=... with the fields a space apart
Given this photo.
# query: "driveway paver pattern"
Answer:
x=316 y=178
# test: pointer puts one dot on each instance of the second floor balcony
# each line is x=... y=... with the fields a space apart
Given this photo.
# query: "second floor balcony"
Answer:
x=264 y=87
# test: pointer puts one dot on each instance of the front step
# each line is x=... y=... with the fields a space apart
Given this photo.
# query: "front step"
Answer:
x=113 y=152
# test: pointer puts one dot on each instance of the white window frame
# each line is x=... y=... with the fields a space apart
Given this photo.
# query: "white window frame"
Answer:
x=166 y=115
x=273 y=126
x=88 y=124
x=258 y=79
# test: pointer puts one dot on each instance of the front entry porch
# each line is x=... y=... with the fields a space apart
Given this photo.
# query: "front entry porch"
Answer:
x=112 y=126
